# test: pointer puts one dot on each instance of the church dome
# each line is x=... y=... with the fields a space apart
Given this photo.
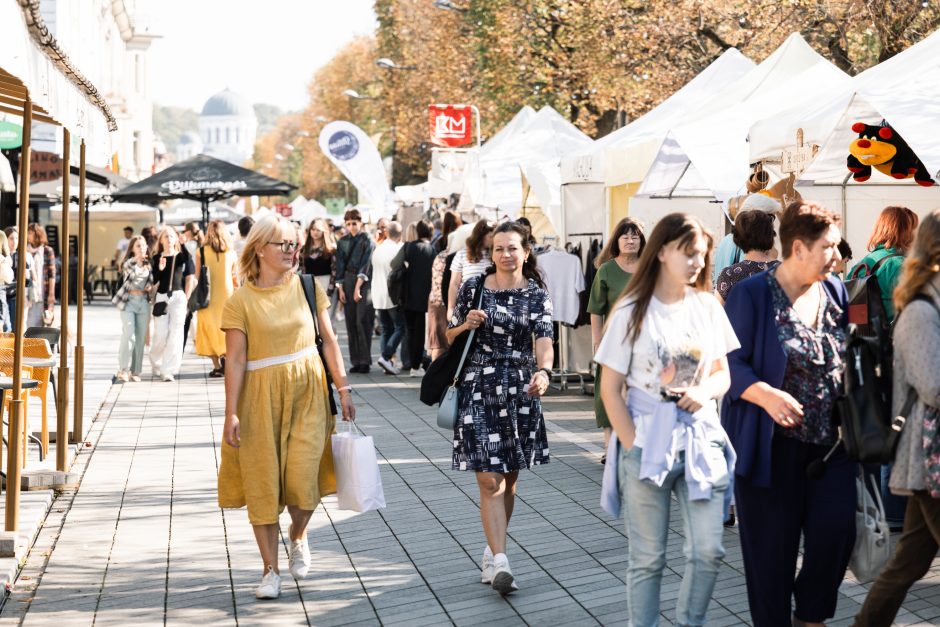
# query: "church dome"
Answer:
x=227 y=102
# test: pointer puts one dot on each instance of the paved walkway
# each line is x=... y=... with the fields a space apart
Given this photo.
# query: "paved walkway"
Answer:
x=143 y=542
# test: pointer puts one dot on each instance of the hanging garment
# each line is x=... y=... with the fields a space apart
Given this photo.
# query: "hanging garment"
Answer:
x=564 y=280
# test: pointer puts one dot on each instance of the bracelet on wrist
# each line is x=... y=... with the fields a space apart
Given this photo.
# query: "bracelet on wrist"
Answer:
x=345 y=388
x=547 y=372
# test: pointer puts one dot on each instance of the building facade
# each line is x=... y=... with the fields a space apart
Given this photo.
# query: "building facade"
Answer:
x=110 y=41
x=228 y=127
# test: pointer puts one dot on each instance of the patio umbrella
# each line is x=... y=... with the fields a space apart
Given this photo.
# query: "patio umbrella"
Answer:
x=205 y=179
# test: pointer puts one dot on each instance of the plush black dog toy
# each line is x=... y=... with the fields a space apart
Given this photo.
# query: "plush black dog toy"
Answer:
x=882 y=148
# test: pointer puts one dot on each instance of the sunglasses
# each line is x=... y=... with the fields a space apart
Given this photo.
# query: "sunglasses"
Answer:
x=286 y=247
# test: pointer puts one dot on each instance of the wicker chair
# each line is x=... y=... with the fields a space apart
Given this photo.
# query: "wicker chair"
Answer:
x=39 y=348
x=6 y=369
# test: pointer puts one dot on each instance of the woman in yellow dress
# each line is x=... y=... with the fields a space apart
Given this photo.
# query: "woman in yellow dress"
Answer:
x=218 y=255
x=276 y=449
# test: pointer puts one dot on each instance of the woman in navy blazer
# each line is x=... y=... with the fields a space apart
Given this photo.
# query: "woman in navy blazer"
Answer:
x=785 y=379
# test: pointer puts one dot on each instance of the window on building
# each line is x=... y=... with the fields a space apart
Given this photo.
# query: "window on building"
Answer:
x=218 y=135
x=228 y=135
x=238 y=136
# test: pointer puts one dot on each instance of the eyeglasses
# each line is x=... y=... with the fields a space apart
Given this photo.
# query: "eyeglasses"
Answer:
x=286 y=247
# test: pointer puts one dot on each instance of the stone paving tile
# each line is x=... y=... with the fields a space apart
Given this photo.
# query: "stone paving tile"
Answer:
x=143 y=541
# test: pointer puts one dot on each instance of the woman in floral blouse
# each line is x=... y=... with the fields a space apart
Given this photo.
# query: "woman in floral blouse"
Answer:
x=785 y=379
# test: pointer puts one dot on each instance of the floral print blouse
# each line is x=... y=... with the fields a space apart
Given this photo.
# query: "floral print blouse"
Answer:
x=815 y=364
x=437 y=278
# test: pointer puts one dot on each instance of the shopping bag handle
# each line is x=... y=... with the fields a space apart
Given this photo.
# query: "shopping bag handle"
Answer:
x=351 y=427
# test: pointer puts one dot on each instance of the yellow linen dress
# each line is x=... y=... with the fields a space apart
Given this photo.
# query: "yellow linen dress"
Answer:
x=210 y=338
x=285 y=454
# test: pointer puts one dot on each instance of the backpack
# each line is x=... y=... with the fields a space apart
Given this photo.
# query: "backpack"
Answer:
x=866 y=309
x=868 y=429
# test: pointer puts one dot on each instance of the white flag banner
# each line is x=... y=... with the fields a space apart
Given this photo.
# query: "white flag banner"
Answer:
x=357 y=157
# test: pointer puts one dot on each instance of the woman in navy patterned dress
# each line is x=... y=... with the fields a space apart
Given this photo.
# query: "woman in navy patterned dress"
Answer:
x=500 y=429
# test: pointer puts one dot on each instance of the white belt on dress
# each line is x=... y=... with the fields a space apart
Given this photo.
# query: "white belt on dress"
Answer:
x=257 y=364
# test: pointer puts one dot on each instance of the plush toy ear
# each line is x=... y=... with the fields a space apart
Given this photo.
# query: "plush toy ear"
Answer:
x=858 y=127
x=885 y=133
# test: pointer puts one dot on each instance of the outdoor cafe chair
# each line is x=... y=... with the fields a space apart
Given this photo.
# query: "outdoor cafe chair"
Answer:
x=6 y=369
x=39 y=351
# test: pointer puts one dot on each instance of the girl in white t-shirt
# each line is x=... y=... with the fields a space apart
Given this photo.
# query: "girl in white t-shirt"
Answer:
x=667 y=340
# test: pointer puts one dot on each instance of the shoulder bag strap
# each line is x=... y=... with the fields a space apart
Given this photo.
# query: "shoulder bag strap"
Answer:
x=310 y=291
x=881 y=261
x=466 y=348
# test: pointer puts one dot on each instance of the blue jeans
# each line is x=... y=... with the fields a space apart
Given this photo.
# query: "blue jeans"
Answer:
x=646 y=516
x=134 y=320
x=393 y=330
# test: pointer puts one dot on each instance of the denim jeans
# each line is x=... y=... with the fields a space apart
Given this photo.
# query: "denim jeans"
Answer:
x=393 y=330
x=135 y=317
x=646 y=515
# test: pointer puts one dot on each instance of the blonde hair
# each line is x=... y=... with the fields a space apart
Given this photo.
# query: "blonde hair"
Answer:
x=4 y=245
x=922 y=263
x=166 y=230
x=268 y=229
x=217 y=238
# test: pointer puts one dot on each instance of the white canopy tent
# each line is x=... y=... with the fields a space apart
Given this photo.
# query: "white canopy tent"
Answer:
x=533 y=149
x=715 y=144
x=624 y=149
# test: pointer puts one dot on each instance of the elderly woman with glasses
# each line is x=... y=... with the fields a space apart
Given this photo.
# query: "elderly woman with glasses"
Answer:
x=276 y=438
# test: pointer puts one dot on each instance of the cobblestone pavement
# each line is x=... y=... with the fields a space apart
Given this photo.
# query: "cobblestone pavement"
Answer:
x=142 y=540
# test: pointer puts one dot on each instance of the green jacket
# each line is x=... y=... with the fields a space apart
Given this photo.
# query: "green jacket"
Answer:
x=888 y=274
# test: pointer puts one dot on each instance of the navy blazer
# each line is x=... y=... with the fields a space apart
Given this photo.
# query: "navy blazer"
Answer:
x=760 y=358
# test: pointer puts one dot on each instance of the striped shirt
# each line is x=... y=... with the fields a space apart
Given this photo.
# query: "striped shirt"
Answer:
x=468 y=269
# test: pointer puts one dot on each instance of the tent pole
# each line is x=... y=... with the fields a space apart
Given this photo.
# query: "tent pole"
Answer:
x=15 y=456
x=78 y=433
x=62 y=402
x=204 y=200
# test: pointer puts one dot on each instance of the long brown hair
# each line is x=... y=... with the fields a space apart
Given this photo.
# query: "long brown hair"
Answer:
x=475 y=242
x=530 y=268
x=675 y=227
x=894 y=228
x=449 y=224
x=129 y=253
x=612 y=248
x=217 y=238
x=193 y=229
x=922 y=263
x=329 y=242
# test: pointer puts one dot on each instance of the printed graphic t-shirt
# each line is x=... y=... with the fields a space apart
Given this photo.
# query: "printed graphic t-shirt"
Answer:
x=676 y=347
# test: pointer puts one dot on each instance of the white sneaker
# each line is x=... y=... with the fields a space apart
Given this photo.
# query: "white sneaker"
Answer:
x=416 y=372
x=503 y=581
x=123 y=376
x=299 y=558
x=270 y=587
x=387 y=366
x=169 y=378
x=486 y=566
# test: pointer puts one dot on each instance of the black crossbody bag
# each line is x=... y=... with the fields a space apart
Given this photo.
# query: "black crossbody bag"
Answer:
x=310 y=291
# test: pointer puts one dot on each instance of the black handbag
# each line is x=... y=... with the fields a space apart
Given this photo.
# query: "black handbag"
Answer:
x=396 y=281
x=310 y=291
x=160 y=306
x=444 y=371
x=199 y=299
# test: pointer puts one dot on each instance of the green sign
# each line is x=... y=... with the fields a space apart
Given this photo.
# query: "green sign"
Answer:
x=11 y=135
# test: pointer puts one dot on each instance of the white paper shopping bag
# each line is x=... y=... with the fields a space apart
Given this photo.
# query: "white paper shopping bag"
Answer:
x=358 y=482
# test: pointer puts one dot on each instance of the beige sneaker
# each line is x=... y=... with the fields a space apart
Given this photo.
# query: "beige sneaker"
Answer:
x=270 y=587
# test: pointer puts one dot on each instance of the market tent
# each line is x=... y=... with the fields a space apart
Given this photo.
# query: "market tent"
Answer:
x=205 y=179
x=716 y=144
x=309 y=211
x=474 y=183
x=620 y=147
x=538 y=146
x=818 y=113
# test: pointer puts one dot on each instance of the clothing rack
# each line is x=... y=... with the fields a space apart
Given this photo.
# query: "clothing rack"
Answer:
x=563 y=373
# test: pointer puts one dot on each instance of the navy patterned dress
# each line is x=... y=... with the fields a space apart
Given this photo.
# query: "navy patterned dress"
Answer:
x=815 y=365
x=499 y=425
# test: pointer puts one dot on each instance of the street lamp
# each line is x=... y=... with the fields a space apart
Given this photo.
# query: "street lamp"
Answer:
x=388 y=64
x=447 y=5
x=355 y=95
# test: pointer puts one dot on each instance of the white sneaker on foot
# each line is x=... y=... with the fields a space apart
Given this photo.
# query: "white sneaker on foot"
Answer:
x=486 y=566
x=503 y=581
x=169 y=378
x=387 y=366
x=270 y=587
x=416 y=372
x=299 y=558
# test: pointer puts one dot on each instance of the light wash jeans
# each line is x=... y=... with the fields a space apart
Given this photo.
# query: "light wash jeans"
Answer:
x=134 y=320
x=646 y=516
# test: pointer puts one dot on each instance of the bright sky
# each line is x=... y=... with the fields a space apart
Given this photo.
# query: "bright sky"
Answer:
x=266 y=50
